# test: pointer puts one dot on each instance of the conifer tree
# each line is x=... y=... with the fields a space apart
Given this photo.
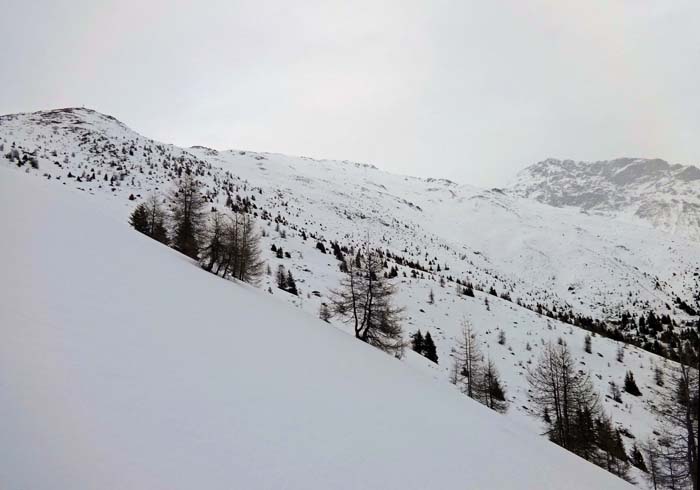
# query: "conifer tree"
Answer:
x=429 y=350
x=324 y=313
x=187 y=216
x=615 y=392
x=476 y=378
x=637 y=459
x=584 y=435
x=609 y=441
x=139 y=219
x=467 y=362
x=232 y=247
x=653 y=463
x=250 y=264
x=213 y=249
x=494 y=393
x=281 y=278
x=678 y=447
x=417 y=342
x=631 y=384
x=365 y=300
x=557 y=386
x=291 y=284
x=149 y=219
x=156 y=220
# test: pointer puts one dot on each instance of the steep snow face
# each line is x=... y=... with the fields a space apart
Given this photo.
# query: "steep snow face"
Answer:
x=654 y=192
x=123 y=365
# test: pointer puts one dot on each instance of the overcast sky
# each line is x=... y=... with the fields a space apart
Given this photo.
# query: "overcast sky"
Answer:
x=468 y=90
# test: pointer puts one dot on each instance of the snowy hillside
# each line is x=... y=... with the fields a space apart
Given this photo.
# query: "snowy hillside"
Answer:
x=123 y=365
x=645 y=191
x=559 y=258
x=544 y=263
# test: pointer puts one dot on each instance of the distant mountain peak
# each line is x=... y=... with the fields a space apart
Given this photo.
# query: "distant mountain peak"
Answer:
x=74 y=117
x=653 y=191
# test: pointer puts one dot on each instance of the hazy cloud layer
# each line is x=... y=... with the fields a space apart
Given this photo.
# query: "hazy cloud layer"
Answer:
x=468 y=90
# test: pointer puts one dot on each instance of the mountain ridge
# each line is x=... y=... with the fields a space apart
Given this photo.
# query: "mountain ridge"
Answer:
x=649 y=191
x=72 y=144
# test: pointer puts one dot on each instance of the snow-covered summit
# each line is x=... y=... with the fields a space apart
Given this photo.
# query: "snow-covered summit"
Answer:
x=69 y=117
x=649 y=191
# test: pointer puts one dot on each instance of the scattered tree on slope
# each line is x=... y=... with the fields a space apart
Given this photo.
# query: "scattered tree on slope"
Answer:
x=149 y=219
x=467 y=362
x=557 y=387
x=571 y=410
x=232 y=247
x=429 y=349
x=631 y=385
x=675 y=454
x=139 y=218
x=478 y=379
x=494 y=393
x=365 y=300
x=187 y=216
x=417 y=342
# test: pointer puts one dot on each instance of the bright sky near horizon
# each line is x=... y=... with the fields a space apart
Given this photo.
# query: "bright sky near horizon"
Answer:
x=468 y=90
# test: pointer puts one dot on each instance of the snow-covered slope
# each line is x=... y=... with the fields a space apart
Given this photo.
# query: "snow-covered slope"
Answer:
x=538 y=254
x=560 y=258
x=639 y=190
x=123 y=365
